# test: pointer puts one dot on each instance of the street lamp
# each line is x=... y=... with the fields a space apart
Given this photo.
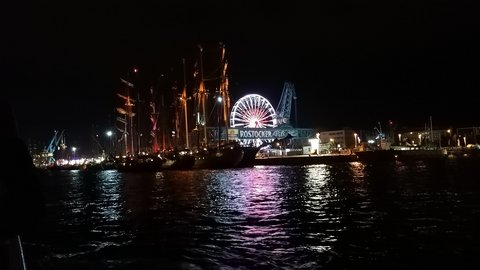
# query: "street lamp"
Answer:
x=355 y=136
x=449 y=135
x=399 y=138
x=109 y=134
x=219 y=100
x=74 y=149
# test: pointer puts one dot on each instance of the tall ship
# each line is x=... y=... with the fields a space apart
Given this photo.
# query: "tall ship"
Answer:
x=135 y=156
x=186 y=130
x=212 y=152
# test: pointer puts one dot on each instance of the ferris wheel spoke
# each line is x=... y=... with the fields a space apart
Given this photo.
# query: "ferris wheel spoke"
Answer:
x=253 y=111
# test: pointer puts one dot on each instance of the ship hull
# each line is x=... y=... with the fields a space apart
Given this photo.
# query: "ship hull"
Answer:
x=249 y=155
x=141 y=164
x=181 y=160
x=227 y=157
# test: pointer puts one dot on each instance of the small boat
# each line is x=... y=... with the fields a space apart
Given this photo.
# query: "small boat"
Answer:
x=102 y=166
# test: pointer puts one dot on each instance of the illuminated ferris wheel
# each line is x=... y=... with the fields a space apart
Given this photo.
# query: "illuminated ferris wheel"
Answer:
x=253 y=111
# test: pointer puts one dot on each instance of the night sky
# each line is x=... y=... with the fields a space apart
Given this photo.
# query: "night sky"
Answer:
x=353 y=63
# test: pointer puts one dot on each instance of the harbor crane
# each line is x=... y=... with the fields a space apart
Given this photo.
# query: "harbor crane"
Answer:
x=58 y=139
x=284 y=107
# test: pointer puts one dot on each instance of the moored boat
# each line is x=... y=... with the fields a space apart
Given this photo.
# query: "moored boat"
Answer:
x=249 y=155
x=178 y=160
x=142 y=163
x=219 y=158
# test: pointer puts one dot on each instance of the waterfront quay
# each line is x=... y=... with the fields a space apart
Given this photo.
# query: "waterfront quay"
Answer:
x=305 y=159
x=379 y=155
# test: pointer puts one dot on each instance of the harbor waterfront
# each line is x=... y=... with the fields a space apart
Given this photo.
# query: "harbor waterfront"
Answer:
x=240 y=135
x=345 y=215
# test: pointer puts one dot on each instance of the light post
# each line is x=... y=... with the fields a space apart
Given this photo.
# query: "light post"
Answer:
x=74 y=149
x=140 y=138
x=219 y=100
x=399 y=138
x=449 y=135
x=109 y=134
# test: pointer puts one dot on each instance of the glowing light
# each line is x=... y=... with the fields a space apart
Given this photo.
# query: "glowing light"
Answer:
x=109 y=133
x=254 y=123
x=253 y=111
x=219 y=99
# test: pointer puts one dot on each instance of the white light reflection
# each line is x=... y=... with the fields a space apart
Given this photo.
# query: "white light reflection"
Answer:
x=317 y=176
x=358 y=171
x=110 y=203
x=320 y=204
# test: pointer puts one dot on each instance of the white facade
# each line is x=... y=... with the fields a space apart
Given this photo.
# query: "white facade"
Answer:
x=344 y=138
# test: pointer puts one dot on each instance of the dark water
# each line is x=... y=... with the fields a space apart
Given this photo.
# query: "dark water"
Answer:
x=344 y=216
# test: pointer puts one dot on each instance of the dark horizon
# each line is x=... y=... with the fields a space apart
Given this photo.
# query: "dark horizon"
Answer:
x=352 y=64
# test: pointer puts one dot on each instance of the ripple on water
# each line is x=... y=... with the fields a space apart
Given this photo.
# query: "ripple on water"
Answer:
x=347 y=215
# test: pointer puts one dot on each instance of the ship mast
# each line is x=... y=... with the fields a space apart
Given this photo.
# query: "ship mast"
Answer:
x=154 y=121
x=128 y=113
x=176 y=106
x=202 y=99
x=183 y=99
x=224 y=91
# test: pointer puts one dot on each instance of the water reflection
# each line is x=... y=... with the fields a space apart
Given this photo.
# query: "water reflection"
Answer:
x=322 y=210
x=110 y=202
x=316 y=179
x=257 y=200
x=342 y=216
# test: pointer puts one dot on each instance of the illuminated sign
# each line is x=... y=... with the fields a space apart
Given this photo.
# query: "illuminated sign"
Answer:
x=262 y=133
x=273 y=133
